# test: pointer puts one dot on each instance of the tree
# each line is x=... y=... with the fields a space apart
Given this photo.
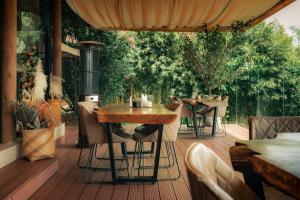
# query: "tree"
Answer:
x=209 y=52
x=160 y=70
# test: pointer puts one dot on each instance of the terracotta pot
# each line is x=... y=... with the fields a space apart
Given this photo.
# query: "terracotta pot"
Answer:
x=38 y=144
x=55 y=105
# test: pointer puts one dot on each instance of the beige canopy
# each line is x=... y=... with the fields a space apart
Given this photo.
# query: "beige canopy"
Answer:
x=173 y=15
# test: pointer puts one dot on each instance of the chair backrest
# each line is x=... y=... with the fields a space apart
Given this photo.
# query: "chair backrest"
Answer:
x=95 y=132
x=210 y=178
x=268 y=127
x=185 y=111
x=222 y=108
x=171 y=130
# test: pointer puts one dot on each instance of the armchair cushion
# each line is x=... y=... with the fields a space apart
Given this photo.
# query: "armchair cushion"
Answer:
x=211 y=178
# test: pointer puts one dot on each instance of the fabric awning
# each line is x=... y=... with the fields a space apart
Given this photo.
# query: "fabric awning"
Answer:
x=173 y=15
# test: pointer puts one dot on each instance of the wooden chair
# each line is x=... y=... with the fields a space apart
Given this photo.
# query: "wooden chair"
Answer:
x=210 y=178
x=148 y=133
x=97 y=135
x=186 y=114
x=209 y=113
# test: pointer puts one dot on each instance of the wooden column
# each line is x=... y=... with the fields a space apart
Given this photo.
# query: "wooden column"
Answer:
x=57 y=38
x=9 y=67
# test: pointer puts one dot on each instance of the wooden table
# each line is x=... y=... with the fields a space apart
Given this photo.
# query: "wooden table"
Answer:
x=122 y=113
x=276 y=161
x=210 y=103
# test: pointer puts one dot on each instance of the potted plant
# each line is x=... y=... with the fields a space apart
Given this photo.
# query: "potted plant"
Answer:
x=37 y=136
x=55 y=95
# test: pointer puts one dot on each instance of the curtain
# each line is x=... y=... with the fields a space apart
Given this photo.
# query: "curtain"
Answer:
x=169 y=15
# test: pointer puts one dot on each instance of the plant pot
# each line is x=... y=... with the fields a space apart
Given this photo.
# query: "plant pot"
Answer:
x=38 y=144
x=55 y=105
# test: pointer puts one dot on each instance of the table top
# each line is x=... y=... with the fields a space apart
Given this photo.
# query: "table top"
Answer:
x=123 y=113
x=285 y=154
x=210 y=103
x=277 y=161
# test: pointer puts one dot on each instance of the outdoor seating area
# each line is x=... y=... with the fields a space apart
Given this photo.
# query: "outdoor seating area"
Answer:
x=149 y=99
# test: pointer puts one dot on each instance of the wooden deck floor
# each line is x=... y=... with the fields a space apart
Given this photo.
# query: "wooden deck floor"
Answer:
x=68 y=182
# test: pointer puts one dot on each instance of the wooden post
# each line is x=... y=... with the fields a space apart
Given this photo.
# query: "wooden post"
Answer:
x=9 y=67
x=57 y=54
x=57 y=38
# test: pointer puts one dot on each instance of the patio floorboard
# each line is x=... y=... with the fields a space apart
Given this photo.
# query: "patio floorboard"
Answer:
x=68 y=181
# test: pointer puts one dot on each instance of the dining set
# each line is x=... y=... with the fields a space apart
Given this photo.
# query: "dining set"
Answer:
x=158 y=125
x=271 y=155
x=103 y=126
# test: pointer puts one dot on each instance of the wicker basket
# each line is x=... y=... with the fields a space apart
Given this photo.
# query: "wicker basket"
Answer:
x=38 y=144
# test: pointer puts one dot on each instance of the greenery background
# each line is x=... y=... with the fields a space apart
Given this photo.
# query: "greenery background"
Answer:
x=258 y=69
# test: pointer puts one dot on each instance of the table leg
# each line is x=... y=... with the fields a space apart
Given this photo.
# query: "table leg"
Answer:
x=253 y=180
x=239 y=159
x=195 y=121
x=157 y=153
x=111 y=153
x=214 y=128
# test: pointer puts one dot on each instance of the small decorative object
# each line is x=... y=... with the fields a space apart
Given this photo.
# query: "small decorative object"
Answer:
x=147 y=101
x=38 y=138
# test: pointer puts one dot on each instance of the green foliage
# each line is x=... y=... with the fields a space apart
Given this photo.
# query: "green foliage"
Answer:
x=259 y=68
x=159 y=68
x=208 y=54
x=27 y=62
x=268 y=75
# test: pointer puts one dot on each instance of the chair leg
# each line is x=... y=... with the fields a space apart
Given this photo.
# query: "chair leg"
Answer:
x=88 y=165
x=168 y=156
x=107 y=158
x=177 y=165
x=188 y=124
x=189 y=127
x=126 y=158
x=176 y=160
x=152 y=148
x=223 y=127
x=79 y=158
x=93 y=149
x=135 y=154
x=123 y=148
x=180 y=125
x=140 y=156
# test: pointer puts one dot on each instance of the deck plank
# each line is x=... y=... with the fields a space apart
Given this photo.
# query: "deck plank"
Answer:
x=68 y=182
x=65 y=165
